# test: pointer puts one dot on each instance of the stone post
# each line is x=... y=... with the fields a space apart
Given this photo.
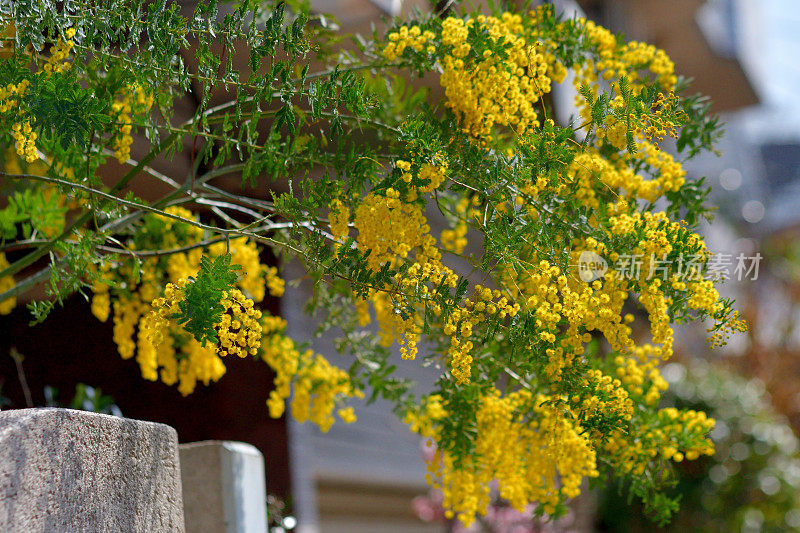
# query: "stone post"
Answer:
x=224 y=490
x=65 y=470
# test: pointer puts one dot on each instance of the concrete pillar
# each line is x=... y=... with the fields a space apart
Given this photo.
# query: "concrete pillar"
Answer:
x=224 y=490
x=65 y=470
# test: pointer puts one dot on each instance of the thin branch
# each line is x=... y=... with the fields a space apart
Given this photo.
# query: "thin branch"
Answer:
x=26 y=391
x=24 y=285
x=228 y=205
x=118 y=200
x=149 y=170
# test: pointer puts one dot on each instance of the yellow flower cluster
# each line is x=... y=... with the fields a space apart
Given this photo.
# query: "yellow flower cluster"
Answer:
x=433 y=174
x=123 y=142
x=388 y=227
x=153 y=333
x=530 y=446
x=275 y=284
x=673 y=435
x=59 y=52
x=594 y=172
x=156 y=352
x=6 y=283
x=391 y=229
x=640 y=375
x=384 y=314
x=559 y=299
x=131 y=100
x=648 y=129
x=423 y=420
x=668 y=173
x=652 y=299
x=318 y=385
x=127 y=311
x=406 y=37
x=488 y=305
x=455 y=240
x=162 y=348
x=493 y=90
x=101 y=299
x=604 y=397
x=720 y=335
x=614 y=130
x=199 y=363
x=657 y=125
x=239 y=330
x=633 y=61
x=629 y=59
x=590 y=168
x=424 y=274
x=10 y=94
x=659 y=233
x=239 y=333
x=339 y=219
x=25 y=139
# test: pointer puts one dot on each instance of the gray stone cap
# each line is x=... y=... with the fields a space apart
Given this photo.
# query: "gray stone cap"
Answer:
x=16 y=417
x=230 y=445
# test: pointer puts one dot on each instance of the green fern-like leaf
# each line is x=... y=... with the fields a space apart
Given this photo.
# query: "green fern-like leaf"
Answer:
x=200 y=310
